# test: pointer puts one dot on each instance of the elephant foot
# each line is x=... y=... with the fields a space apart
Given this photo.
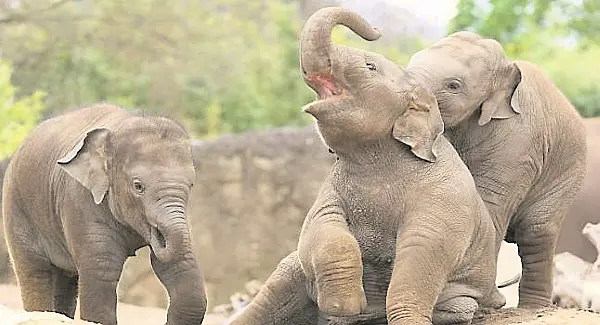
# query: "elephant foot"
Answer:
x=342 y=304
x=534 y=304
x=494 y=300
x=455 y=311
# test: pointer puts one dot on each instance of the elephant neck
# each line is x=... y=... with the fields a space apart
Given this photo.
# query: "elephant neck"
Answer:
x=381 y=156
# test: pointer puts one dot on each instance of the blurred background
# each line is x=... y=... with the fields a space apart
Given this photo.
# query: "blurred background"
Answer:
x=228 y=70
x=227 y=66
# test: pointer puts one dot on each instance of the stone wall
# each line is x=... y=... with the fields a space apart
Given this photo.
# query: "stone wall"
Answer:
x=250 y=197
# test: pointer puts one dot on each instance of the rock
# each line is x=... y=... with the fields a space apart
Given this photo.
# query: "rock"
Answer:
x=577 y=282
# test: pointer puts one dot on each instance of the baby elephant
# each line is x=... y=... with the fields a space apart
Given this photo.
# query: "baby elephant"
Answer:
x=84 y=191
x=398 y=233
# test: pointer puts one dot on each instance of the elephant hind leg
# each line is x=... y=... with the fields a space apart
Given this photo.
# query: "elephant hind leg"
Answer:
x=65 y=293
x=283 y=299
x=536 y=233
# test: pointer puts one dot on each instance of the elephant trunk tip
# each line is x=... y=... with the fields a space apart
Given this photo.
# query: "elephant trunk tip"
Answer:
x=160 y=245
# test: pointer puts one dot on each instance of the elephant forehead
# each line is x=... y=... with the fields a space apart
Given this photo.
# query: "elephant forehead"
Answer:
x=169 y=173
x=154 y=151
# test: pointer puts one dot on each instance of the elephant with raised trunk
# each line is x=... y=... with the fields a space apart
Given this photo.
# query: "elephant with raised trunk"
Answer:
x=523 y=142
x=397 y=233
x=83 y=192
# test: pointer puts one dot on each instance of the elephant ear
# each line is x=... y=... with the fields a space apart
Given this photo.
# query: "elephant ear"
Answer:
x=502 y=102
x=419 y=127
x=87 y=163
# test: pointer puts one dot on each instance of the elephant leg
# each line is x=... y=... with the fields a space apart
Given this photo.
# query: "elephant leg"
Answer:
x=33 y=270
x=65 y=294
x=283 y=299
x=331 y=257
x=36 y=283
x=536 y=234
x=99 y=272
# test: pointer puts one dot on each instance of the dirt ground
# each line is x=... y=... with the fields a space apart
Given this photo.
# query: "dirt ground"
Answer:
x=130 y=315
x=508 y=266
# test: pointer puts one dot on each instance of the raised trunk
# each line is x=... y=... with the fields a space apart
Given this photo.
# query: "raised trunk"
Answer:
x=315 y=40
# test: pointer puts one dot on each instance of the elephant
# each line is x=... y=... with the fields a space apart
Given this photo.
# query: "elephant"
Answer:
x=82 y=193
x=586 y=208
x=397 y=233
x=521 y=139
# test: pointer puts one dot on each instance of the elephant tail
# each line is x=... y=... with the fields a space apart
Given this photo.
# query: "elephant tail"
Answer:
x=511 y=281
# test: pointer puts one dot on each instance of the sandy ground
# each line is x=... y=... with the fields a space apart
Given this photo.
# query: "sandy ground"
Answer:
x=134 y=315
x=127 y=314
x=508 y=266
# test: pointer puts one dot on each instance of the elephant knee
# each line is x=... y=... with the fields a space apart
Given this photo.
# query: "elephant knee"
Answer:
x=458 y=310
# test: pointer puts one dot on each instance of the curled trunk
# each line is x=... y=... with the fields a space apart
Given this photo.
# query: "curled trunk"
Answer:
x=315 y=40
x=171 y=237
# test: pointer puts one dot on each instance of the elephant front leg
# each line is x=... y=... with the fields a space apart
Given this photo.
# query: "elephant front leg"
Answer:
x=98 y=278
x=185 y=285
x=331 y=257
x=283 y=299
x=423 y=261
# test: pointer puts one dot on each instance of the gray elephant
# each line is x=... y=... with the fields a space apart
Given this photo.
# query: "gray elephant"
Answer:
x=521 y=139
x=83 y=192
x=397 y=232
x=586 y=208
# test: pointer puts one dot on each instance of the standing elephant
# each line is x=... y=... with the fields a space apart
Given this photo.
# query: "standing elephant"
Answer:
x=521 y=139
x=84 y=191
x=397 y=233
x=586 y=208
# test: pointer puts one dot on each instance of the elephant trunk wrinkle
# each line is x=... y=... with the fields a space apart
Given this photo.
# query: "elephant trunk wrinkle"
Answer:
x=171 y=236
x=315 y=40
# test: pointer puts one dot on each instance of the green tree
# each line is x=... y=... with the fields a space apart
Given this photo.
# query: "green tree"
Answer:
x=217 y=66
x=17 y=115
x=537 y=30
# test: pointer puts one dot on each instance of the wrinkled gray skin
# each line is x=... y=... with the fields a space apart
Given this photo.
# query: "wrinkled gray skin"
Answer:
x=84 y=191
x=397 y=228
x=586 y=208
x=521 y=139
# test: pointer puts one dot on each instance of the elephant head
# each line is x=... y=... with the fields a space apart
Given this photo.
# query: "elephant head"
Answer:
x=363 y=97
x=144 y=170
x=469 y=75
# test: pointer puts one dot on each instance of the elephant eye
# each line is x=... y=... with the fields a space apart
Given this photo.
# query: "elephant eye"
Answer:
x=453 y=84
x=371 y=66
x=138 y=186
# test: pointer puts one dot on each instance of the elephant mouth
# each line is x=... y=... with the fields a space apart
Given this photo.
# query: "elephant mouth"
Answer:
x=324 y=86
x=158 y=242
x=327 y=91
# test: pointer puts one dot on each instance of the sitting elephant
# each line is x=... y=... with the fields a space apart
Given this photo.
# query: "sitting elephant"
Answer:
x=397 y=232
x=83 y=192
x=522 y=140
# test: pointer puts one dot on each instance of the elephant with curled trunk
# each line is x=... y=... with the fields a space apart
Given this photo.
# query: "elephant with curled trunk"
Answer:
x=83 y=192
x=397 y=233
x=523 y=142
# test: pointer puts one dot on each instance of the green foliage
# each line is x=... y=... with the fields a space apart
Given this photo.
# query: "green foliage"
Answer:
x=536 y=30
x=17 y=116
x=217 y=66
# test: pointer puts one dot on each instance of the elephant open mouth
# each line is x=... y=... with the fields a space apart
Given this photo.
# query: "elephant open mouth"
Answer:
x=158 y=241
x=324 y=86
